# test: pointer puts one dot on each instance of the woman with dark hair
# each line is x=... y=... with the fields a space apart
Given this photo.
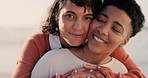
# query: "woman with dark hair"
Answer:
x=64 y=27
x=61 y=28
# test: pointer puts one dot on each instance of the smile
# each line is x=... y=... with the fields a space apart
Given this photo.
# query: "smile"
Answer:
x=99 y=40
x=76 y=35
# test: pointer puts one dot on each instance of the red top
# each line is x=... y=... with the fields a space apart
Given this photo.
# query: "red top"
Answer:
x=38 y=44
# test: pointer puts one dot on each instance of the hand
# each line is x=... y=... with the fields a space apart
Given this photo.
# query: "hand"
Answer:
x=81 y=74
x=91 y=71
x=100 y=71
x=77 y=73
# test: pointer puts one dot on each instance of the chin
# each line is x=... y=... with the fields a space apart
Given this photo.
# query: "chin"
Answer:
x=75 y=44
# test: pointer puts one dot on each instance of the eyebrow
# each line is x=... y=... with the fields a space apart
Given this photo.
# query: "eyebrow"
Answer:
x=70 y=12
x=114 y=21
x=75 y=13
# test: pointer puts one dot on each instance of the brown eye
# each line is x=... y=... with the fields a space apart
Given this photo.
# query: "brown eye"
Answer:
x=70 y=17
x=88 y=18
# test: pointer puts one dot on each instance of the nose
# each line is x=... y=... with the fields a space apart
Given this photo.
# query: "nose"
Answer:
x=104 y=30
x=78 y=25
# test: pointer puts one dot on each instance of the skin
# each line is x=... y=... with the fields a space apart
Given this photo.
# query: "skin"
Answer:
x=108 y=31
x=111 y=29
x=74 y=24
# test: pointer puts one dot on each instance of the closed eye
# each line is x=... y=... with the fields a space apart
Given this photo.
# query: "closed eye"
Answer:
x=101 y=18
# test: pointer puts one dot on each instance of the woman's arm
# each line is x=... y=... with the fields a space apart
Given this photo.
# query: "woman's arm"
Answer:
x=33 y=48
x=133 y=70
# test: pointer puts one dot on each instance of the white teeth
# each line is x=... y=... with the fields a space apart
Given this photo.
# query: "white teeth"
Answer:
x=99 y=40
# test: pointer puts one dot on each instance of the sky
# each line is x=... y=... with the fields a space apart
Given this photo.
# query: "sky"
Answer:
x=23 y=12
x=31 y=12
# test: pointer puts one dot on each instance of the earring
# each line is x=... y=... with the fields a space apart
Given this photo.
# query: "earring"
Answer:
x=121 y=45
x=57 y=29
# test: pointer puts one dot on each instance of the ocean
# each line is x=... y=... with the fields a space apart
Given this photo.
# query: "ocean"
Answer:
x=12 y=38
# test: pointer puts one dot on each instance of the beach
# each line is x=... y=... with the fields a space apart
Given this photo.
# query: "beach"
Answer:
x=12 y=39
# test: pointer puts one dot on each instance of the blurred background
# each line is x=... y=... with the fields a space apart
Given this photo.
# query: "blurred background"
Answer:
x=21 y=18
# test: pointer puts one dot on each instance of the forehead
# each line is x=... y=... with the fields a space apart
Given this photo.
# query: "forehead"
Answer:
x=115 y=14
x=69 y=6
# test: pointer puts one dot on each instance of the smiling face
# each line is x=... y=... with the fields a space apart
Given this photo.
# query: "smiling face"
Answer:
x=74 y=24
x=109 y=30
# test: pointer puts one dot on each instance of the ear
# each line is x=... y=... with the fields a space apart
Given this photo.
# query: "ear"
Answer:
x=124 y=43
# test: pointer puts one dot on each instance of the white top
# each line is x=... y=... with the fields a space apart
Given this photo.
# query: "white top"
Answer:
x=54 y=42
x=62 y=60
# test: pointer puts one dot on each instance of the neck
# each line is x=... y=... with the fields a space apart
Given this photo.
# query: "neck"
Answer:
x=64 y=43
x=94 y=57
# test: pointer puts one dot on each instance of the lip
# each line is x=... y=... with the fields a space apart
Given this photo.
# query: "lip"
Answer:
x=76 y=34
x=99 y=38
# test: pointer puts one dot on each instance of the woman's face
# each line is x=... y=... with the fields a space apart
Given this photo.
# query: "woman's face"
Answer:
x=109 y=30
x=74 y=24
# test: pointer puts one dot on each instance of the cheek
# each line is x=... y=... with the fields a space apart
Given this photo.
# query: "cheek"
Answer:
x=87 y=28
x=116 y=41
x=62 y=24
x=93 y=25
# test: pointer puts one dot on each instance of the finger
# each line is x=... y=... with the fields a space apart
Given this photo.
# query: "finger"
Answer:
x=107 y=68
x=90 y=71
x=74 y=72
x=119 y=75
x=91 y=76
x=82 y=69
x=68 y=73
x=69 y=77
x=56 y=76
x=87 y=66
x=99 y=75
x=79 y=75
x=105 y=72
x=88 y=77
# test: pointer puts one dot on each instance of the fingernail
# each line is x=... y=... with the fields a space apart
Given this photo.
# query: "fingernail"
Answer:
x=119 y=75
x=87 y=76
x=75 y=72
x=98 y=67
x=56 y=75
x=68 y=77
x=91 y=71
